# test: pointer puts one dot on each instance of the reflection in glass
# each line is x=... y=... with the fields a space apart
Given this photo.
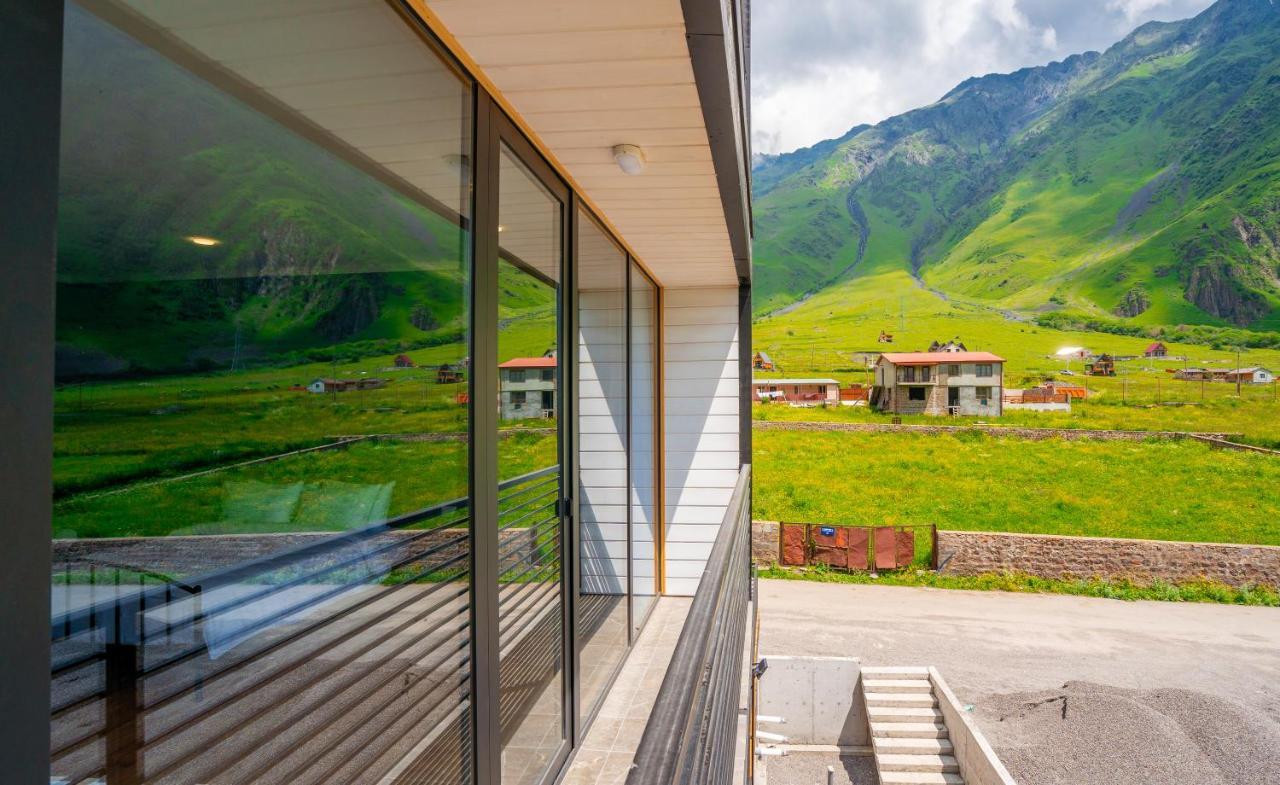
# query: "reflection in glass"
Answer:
x=530 y=601
x=643 y=414
x=260 y=525
x=602 y=458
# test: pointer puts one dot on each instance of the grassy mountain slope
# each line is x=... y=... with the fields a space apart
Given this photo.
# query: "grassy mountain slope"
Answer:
x=313 y=253
x=1141 y=184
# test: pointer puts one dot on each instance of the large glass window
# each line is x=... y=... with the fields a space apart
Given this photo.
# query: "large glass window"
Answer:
x=530 y=536
x=602 y=459
x=643 y=416
x=261 y=545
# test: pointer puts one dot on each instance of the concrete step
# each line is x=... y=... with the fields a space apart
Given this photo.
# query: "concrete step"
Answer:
x=895 y=673
x=919 y=778
x=900 y=699
x=912 y=746
x=904 y=714
x=909 y=730
x=898 y=685
x=938 y=764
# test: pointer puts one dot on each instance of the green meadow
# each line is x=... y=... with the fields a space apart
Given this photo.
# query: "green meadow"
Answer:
x=1156 y=489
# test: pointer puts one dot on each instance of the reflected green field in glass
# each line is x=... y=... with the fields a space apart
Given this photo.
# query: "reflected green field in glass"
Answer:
x=330 y=490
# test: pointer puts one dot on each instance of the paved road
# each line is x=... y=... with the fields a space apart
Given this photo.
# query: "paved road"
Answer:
x=1068 y=689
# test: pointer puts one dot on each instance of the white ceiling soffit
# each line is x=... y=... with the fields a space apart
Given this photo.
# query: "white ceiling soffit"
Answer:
x=586 y=75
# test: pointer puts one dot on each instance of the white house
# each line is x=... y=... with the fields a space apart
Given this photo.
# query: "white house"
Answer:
x=1250 y=376
x=527 y=388
x=965 y=383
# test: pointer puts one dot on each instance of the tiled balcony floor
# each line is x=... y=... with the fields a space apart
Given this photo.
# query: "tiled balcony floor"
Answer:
x=606 y=752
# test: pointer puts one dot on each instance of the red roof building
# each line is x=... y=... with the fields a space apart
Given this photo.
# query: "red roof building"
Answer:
x=529 y=362
x=935 y=358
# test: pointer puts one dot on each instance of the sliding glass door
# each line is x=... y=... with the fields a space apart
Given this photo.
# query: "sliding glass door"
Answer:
x=604 y=578
x=642 y=410
x=530 y=596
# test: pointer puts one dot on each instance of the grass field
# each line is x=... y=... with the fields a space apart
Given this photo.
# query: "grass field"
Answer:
x=1157 y=489
x=1194 y=591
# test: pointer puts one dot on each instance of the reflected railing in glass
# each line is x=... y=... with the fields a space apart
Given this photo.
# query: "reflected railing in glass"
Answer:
x=339 y=656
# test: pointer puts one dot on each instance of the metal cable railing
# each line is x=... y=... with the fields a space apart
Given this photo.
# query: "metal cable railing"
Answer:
x=310 y=664
x=691 y=735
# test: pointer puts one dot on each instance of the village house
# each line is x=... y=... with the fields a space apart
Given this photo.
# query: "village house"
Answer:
x=1243 y=375
x=345 y=385
x=762 y=362
x=953 y=345
x=449 y=374
x=801 y=391
x=527 y=388
x=1249 y=376
x=960 y=383
x=1193 y=375
x=1156 y=349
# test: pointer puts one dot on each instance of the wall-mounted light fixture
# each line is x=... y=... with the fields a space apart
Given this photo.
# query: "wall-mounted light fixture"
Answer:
x=630 y=158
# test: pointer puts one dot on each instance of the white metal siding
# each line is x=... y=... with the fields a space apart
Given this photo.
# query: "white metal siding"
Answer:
x=700 y=359
x=602 y=479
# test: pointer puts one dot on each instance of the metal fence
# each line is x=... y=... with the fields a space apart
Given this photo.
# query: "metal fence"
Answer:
x=323 y=662
x=855 y=547
x=692 y=732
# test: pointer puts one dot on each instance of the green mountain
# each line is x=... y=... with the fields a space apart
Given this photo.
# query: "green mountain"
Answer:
x=1141 y=184
x=314 y=258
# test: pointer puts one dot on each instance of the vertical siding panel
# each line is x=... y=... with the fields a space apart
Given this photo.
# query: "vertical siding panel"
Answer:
x=700 y=423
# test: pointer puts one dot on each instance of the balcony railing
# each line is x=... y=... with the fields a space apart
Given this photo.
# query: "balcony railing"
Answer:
x=329 y=656
x=692 y=732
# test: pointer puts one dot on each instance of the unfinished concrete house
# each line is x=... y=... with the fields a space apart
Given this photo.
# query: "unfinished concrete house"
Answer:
x=955 y=383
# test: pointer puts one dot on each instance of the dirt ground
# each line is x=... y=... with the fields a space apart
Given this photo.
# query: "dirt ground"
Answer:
x=1068 y=689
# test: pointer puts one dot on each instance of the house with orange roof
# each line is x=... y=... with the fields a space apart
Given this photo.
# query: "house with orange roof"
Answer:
x=527 y=387
x=951 y=382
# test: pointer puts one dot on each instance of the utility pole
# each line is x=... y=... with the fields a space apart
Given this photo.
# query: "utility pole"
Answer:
x=1237 y=371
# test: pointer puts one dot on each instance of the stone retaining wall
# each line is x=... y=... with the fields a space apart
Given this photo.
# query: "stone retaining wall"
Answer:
x=991 y=430
x=765 y=542
x=1054 y=556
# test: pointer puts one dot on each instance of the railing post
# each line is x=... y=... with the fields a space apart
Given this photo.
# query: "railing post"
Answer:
x=124 y=722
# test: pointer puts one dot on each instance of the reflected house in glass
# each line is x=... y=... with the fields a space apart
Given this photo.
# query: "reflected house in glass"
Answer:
x=224 y=202
x=527 y=388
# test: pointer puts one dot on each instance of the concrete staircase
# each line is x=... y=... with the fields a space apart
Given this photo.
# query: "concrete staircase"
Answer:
x=908 y=733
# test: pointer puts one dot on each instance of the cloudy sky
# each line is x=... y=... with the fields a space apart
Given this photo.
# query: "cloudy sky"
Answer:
x=820 y=67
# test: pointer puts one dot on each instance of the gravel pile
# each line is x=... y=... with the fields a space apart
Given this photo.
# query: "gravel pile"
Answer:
x=1089 y=734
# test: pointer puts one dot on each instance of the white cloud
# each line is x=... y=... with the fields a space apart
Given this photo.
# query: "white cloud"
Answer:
x=819 y=67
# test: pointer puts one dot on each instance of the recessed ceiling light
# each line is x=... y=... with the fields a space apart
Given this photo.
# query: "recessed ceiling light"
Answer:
x=198 y=240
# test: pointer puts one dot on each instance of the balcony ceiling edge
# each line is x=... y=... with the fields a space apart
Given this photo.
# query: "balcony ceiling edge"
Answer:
x=581 y=76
